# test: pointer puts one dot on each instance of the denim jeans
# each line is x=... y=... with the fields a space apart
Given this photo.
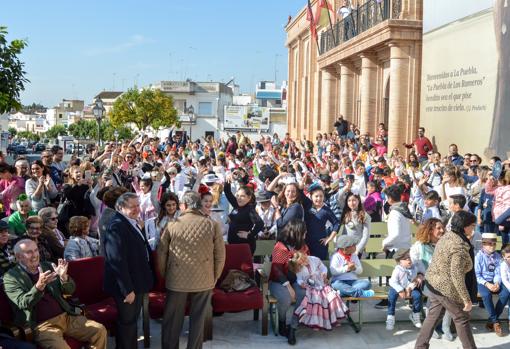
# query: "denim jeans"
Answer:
x=351 y=288
x=393 y=297
x=503 y=296
x=284 y=306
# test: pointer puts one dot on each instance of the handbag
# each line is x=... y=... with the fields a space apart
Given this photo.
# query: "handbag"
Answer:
x=237 y=281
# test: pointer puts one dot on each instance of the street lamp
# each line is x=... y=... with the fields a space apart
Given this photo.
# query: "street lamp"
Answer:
x=98 y=114
x=192 y=119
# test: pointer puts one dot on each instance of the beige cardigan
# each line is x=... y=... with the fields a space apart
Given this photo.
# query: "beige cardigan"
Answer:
x=191 y=253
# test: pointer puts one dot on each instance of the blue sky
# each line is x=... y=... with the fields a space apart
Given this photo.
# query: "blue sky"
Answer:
x=78 y=48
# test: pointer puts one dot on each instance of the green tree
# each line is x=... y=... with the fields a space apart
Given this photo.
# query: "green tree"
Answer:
x=12 y=131
x=108 y=130
x=144 y=108
x=12 y=75
x=55 y=131
x=83 y=129
x=31 y=136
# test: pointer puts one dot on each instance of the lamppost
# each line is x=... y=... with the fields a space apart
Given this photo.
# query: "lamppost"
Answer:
x=192 y=119
x=98 y=114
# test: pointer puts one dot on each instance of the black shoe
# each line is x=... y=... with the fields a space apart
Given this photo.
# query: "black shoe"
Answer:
x=292 y=336
x=282 y=329
x=382 y=304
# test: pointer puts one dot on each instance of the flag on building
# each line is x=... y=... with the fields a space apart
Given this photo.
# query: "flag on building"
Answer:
x=310 y=18
x=322 y=17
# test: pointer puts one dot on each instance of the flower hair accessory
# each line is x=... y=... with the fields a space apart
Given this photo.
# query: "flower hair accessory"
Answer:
x=22 y=197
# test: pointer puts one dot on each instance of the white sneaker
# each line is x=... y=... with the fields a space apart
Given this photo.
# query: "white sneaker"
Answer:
x=390 y=322
x=415 y=319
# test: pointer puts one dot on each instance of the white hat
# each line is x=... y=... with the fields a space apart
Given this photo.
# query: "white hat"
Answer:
x=210 y=178
x=489 y=236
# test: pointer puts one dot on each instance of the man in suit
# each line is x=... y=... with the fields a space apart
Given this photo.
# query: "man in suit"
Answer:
x=37 y=292
x=191 y=256
x=128 y=271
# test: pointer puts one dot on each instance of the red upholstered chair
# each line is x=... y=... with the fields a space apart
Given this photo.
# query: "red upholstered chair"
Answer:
x=88 y=275
x=239 y=257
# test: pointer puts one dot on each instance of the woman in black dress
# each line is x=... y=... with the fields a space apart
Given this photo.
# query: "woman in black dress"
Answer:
x=244 y=222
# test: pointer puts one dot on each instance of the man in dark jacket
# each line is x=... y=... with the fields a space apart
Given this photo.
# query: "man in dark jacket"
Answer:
x=128 y=271
x=37 y=292
x=342 y=127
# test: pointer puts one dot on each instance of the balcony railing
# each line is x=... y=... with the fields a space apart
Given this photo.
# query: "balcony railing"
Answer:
x=359 y=20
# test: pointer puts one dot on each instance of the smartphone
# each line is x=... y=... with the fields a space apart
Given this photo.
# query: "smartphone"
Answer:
x=88 y=175
x=124 y=166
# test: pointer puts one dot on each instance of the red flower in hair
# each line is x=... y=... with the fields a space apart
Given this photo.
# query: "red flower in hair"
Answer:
x=203 y=189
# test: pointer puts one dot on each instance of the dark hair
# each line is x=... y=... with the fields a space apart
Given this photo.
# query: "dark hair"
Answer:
x=4 y=167
x=432 y=195
x=293 y=234
x=347 y=212
x=55 y=149
x=248 y=191
x=162 y=202
x=110 y=197
x=147 y=182
x=505 y=249
x=461 y=220
x=458 y=199
x=41 y=165
x=394 y=192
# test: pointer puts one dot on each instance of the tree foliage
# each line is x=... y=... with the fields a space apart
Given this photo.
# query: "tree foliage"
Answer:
x=12 y=131
x=31 y=136
x=12 y=75
x=88 y=129
x=55 y=131
x=145 y=108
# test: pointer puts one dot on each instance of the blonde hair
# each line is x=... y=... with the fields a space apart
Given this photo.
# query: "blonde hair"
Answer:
x=216 y=190
x=78 y=225
x=295 y=262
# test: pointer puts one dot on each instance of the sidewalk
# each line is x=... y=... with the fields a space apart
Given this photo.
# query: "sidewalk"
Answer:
x=239 y=331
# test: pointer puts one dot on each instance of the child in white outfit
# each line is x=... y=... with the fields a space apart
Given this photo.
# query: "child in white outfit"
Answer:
x=404 y=282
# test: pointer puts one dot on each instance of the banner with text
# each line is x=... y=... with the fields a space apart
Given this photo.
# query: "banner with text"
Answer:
x=465 y=92
x=247 y=118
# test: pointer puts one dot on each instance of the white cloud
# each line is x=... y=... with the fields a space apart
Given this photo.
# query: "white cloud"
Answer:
x=134 y=41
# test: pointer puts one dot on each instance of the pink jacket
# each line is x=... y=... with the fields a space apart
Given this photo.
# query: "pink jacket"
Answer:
x=501 y=198
x=9 y=192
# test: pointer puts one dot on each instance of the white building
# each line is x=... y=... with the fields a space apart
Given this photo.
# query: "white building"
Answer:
x=203 y=100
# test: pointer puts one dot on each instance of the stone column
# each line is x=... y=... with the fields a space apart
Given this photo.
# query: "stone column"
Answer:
x=399 y=96
x=328 y=100
x=347 y=91
x=368 y=94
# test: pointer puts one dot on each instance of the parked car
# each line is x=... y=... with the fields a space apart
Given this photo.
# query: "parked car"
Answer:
x=11 y=148
x=39 y=147
x=21 y=149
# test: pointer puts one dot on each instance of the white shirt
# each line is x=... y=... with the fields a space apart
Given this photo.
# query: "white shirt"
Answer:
x=399 y=232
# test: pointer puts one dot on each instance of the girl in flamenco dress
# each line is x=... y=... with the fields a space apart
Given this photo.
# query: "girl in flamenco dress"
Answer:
x=322 y=307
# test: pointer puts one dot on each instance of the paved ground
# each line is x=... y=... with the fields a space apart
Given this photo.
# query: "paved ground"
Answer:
x=239 y=331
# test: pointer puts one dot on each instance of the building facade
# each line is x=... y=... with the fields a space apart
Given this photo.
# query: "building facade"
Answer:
x=365 y=66
x=206 y=99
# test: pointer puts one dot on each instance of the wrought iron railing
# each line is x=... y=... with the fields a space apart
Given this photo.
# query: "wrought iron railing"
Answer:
x=359 y=20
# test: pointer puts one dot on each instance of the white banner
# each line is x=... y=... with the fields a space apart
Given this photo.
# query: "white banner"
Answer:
x=248 y=118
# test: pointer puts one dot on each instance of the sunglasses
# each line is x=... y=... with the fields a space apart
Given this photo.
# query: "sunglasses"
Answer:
x=53 y=218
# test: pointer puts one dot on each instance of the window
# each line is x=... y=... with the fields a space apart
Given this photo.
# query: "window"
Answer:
x=180 y=105
x=205 y=108
x=60 y=116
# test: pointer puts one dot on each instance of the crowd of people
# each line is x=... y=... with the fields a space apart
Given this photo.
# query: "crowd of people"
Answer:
x=127 y=200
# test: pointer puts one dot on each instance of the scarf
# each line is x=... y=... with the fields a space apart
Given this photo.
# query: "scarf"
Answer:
x=346 y=257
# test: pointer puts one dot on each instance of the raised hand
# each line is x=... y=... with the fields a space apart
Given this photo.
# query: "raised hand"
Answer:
x=61 y=269
x=44 y=279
